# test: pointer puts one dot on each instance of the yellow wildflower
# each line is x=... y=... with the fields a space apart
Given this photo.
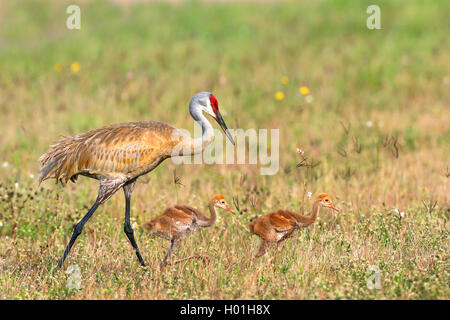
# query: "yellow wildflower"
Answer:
x=75 y=67
x=304 y=90
x=279 y=95
x=284 y=80
x=57 y=67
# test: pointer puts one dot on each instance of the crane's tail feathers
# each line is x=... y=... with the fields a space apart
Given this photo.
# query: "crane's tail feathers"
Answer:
x=46 y=168
x=148 y=225
x=60 y=161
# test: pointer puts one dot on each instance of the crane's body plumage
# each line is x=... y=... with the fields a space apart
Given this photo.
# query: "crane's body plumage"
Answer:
x=127 y=149
x=117 y=155
x=174 y=223
x=277 y=227
x=273 y=226
x=178 y=222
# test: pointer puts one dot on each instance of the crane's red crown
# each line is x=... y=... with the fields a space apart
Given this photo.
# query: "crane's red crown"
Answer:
x=218 y=197
x=214 y=104
x=322 y=196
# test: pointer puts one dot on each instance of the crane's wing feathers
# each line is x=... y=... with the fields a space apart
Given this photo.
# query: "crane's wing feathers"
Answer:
x=280 y=223
x=179 y=216
x=170 y=223
x=193 y=211
x=130 y=149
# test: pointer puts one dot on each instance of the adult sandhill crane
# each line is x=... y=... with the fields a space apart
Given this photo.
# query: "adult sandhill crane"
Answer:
x=178 y=222
x=117 y=155
x=277 y=227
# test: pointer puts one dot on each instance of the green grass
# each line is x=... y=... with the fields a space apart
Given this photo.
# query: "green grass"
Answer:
x=145 y=61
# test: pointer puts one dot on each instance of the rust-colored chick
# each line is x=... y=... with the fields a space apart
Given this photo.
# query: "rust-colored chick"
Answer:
x=178 y=222
x=276 y=227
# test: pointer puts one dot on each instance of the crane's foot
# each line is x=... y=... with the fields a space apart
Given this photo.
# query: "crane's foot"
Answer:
x=200 y=255
x=142 y=263
x=145 y=268
x=59 y=265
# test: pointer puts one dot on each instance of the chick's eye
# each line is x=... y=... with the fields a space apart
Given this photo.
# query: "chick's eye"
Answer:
x=326 y=200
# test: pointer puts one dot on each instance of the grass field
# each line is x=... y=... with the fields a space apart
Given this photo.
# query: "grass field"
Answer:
x=376 y=118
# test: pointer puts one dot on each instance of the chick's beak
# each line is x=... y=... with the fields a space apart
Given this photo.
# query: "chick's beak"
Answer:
x=331 y=206
x=227 y=207
x=222 y=124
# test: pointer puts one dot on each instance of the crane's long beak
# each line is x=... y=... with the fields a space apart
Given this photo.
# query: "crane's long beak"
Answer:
x=331 y=206
x=229 y=209
x=222 y=124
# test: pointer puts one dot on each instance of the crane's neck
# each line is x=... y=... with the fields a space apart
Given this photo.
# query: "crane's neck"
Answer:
x=315 y=212
x=305 y=221
x=213 y=216
x=197 y=145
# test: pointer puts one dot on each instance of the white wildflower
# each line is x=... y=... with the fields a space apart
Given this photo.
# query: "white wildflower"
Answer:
x=1 y=224
x=309 y=194
x=16 y=185
x=300 y=151
x=369 y=124
x=31 y=176
x=309 y=98
x=402 y=214
x=129 y=75
x=396 y=210
x=5 y=164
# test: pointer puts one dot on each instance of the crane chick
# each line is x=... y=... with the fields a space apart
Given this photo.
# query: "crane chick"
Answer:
x=276 y=227
x=178 y=222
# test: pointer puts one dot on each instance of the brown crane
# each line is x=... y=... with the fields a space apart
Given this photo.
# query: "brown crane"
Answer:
x=178 y=222
x=117 y=155
x=276 y=227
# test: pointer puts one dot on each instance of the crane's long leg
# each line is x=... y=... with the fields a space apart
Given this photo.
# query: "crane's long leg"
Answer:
x=281 y=243
x=265 y=244
x=76 y=232
x=280 y=246
x=173 y=245
x=128 y=190
x=106 y=189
